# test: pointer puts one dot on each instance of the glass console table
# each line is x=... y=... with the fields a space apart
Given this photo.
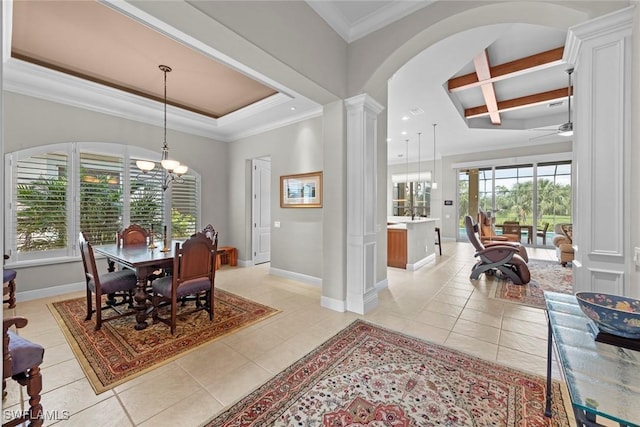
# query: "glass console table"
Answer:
x=603 y=379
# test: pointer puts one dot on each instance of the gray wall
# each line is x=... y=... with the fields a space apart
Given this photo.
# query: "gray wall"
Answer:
x=31 y=122
x=297 y=245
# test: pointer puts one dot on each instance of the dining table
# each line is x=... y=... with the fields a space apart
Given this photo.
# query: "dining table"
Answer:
x=144 y=260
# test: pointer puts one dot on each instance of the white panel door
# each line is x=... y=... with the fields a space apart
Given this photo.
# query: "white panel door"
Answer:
x=261 y=211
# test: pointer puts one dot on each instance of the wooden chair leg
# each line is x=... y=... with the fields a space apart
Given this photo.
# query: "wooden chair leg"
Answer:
x=174 y=312
x=89 y=305
x=98 y=312
x=34 y=387
x=12 y=294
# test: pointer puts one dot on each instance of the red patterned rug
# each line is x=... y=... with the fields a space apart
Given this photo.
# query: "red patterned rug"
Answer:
x=117 y=352
x=370 y=376
x=545 y=276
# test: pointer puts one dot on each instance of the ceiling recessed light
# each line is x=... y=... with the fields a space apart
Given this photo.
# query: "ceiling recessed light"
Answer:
x=293 y=108
x=404 y=132
x=388 y=139
x=405 y=118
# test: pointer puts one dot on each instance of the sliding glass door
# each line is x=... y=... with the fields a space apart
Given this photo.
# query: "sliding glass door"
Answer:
x=534 y=197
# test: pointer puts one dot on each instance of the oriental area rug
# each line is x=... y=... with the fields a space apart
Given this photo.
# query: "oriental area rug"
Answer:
x=545 y=276
x=117 y=352
x=370 y=376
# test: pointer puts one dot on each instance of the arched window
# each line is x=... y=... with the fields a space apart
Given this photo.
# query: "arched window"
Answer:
x=57 y=190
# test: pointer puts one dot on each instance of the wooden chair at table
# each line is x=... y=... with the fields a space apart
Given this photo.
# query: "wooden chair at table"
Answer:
x=134 y=234
x=210 y=232
x=512 y=230
x=21 y=360
x=9 y=285
x=193 y=273
x=120 y=283
x=487 y=233
x=542 y=232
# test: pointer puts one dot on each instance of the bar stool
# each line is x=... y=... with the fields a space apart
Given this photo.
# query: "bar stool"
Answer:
x=438 y=240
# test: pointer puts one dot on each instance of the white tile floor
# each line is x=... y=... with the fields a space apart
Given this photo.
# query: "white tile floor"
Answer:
x=437 y=303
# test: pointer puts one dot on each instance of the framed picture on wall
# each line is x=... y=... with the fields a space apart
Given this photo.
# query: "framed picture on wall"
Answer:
x=301 y=191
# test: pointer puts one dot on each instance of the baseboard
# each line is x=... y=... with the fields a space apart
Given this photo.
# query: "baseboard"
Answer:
x=243 y=263
x=424 y=261
x=310 y=280
x=50 y=292
x=383 y=284
x=333 y=304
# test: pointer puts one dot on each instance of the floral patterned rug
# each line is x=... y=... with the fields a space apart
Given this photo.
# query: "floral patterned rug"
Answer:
x=370 y=376
x=117 y=352
x=545 y=276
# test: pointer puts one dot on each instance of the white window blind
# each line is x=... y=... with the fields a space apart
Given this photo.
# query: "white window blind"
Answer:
x=184 y=207
x=100 y=197
x=41 y=202
x=146 y=199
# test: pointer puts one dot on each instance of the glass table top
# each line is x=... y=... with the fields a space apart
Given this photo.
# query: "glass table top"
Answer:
x=602 y=379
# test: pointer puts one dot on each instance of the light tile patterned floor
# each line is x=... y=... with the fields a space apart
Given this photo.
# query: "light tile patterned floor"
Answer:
x=437 y=303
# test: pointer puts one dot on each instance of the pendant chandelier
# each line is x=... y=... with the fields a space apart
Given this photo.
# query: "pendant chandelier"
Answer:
x=173 y=170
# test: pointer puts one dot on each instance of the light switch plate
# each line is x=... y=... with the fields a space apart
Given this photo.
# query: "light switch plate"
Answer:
x=276 y=224
x=636 y=255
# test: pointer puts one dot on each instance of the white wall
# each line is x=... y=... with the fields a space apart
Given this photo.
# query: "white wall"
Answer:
x=31 y=122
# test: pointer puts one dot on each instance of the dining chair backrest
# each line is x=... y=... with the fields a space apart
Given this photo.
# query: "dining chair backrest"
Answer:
x=511 y=227
x=88 y=260
x=209 y=231
x=133 y=235
x=195 y=259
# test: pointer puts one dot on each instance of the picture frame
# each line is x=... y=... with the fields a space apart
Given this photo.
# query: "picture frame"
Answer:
x=301 y=190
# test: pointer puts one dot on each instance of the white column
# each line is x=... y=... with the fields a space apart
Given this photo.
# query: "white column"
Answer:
x=601 y=52
x=362 y=176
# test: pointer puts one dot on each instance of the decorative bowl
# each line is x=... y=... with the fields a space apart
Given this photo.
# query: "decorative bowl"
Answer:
x=614 y=314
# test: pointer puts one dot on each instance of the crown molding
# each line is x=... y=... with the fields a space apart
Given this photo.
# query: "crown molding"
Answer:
x=380 y=18
x=43 y=83
x=620 y=20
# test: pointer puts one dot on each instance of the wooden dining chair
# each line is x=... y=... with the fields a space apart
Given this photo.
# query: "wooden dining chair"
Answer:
x=121 y=283
x=134 y=234
x=21 y=360
x=9 y=285
x=542 y=232
x=193 y=274
x=512 y=228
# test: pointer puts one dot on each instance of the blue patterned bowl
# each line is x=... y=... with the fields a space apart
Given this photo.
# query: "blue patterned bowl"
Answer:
x=614 y=314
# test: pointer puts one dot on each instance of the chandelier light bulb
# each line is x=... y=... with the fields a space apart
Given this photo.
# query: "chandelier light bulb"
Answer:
x=145 y=166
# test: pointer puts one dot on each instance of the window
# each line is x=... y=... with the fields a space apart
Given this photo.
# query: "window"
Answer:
x=40 y=200
x=532 y=194
x=100 y=196
x=184 y=207
x=411 y=194
x=55 y=191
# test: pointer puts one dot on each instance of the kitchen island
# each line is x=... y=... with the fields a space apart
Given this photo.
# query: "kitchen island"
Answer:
x=410 y=243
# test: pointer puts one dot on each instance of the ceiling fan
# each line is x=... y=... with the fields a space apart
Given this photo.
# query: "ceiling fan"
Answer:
x=565 y=129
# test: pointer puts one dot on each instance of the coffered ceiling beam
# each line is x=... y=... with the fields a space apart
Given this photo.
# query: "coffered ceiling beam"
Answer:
x=517 y=103
x=483 y=71
x=520 y=66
